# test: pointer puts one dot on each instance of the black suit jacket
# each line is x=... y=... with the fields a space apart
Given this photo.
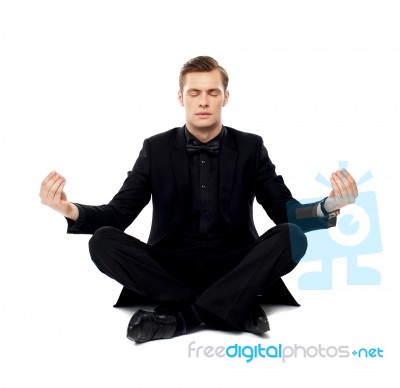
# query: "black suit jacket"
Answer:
x=161 y=173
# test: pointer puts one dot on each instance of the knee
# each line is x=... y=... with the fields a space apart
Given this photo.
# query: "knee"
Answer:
x=298 y=242
x=296 y=239
x=100 y=241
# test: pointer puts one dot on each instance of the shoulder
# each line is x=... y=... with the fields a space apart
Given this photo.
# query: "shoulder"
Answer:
x=165 y=136
x=163 y=141
x=242 y=138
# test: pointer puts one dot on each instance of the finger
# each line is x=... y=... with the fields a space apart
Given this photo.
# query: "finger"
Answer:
x=345 y=182
x=335 y=188
x=50 y=188
x=53 y=185
x=60 y=188
x=343 y=186
x=346 y=188
x=45 y=182
x=338 y=198
x=47 y=188
x=353 y=183
x=350 y=185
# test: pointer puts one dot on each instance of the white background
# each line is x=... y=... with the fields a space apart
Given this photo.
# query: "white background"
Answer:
x=83 y=83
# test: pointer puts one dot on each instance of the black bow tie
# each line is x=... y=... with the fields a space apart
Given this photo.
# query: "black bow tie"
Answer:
x=193 y=146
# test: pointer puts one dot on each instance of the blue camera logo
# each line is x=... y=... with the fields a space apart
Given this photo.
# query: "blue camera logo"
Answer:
x=357 y=233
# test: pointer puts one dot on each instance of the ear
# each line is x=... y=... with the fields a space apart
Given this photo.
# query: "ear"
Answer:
x=226 y=97
x=180 y=97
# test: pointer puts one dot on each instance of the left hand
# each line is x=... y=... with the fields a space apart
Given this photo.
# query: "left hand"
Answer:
x=344 y=190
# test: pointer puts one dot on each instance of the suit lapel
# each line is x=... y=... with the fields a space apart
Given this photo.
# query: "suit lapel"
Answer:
x=227 y=165
x=180 y=166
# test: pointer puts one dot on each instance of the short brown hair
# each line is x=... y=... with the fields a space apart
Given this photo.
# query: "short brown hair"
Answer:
x=202 y=64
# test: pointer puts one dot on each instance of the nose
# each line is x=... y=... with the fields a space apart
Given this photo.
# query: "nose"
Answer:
x=203 y=103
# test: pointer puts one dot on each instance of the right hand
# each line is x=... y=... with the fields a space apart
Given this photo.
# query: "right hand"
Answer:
x=52 y=194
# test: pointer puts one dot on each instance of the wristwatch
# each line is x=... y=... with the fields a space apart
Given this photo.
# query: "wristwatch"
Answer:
x=331 y=214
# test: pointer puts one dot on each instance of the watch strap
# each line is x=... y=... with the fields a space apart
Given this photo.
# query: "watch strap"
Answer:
x=331 y=214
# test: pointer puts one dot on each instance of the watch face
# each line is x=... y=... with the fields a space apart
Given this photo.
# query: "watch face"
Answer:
x=333 y=214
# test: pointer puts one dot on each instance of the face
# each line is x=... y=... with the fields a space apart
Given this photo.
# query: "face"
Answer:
x=203 y=97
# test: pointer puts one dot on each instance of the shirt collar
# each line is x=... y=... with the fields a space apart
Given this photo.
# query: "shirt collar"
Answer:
x=218 y=137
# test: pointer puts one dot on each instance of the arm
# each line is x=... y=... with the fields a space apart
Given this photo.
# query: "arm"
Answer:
x=278 y=202
x=120 y=212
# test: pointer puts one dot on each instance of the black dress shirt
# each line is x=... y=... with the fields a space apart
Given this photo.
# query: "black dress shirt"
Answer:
x=203 y=224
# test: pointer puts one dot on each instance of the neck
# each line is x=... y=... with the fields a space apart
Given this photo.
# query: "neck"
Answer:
x=204 y=134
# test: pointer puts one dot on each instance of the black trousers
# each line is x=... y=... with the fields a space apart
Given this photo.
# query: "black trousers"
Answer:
x=224 y=283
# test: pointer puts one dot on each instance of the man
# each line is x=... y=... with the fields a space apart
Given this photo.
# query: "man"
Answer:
x=204 y=261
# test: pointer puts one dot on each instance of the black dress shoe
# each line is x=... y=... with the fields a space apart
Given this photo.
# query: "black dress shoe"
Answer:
x=257 y=322
x=146 y=326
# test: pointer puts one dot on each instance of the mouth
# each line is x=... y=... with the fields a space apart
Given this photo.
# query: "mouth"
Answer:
x=203 y=114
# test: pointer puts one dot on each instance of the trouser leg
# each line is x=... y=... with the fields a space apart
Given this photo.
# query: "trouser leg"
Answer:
x=226 y=287
x=276 y=254
x=136 y=266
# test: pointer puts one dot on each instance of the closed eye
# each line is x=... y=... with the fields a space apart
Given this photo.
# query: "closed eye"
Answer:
x=214 y=92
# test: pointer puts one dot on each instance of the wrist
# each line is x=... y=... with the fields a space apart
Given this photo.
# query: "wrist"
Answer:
x=328 y=204
x=327 y=208
x=72 y=212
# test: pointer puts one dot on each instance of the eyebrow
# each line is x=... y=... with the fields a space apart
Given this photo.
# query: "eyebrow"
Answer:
x=209 y=90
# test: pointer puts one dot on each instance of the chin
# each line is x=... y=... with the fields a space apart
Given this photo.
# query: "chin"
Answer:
x=205 y=127
x=205 y=124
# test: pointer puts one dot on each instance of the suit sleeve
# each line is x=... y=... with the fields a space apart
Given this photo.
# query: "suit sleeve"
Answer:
x=126 y=205
x=276 y=199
